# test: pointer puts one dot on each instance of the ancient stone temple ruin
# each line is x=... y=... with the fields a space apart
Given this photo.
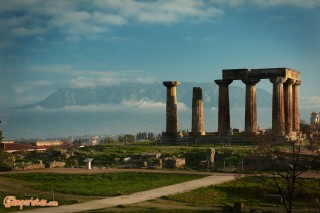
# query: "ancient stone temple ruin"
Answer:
x=285 y=103
x=285 y=100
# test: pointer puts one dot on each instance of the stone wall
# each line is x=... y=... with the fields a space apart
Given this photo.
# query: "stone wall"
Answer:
x=174 y=163
x=57 y=164
x=28 y=166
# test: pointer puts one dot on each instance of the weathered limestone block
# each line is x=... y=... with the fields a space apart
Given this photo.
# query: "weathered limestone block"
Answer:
x=251 y=125
x=210 y=158
x=287 y=87
x=278 y=119
x=171 y=111
x=174 y=163
x=224 y=107
x=197 y=112
x=296 y=105
x=57 y=164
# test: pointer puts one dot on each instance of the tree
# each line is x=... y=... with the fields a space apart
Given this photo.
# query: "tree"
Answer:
x=288 y=159
x=305 y=128
x=108 y=140
x=127 y=138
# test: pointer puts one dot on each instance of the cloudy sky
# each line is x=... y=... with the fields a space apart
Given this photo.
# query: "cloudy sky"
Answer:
x=46 y=45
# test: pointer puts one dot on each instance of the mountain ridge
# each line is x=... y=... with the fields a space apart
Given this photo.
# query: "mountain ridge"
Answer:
x=156 y=92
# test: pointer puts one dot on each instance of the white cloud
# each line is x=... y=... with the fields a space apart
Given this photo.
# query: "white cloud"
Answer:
x=63 y=68
x=82 y=82
x=88 y=108
x=27 y=31
x=79 y=18
x=30 y=85
x=207 y=97
x=296 y=3
x=84 y=78
x=188 y=38
x=146 y=80
x=110 y=80
x=72 y=38
x=7 y=44
x=182 y=107
x=206 y=39
x=93 y=108
x=168 y=12
x=85 y=19
x=310 y=101
x=41 y=39
x=269 y=3
x=144 y=104
x=108 y=18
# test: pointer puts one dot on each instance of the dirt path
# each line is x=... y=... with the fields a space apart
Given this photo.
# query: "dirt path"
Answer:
x=140 y=196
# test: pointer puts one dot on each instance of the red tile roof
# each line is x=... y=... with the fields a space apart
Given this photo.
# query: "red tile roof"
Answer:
x=13 y=147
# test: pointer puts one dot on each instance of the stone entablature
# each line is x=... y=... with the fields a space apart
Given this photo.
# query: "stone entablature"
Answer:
x=265 y=73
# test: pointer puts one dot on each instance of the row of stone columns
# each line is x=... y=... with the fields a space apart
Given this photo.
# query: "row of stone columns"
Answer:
x=172 y=132
x=285 y=106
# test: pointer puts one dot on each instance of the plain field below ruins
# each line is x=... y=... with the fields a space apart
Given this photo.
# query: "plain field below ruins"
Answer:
x=78 y=185
x=206 y=199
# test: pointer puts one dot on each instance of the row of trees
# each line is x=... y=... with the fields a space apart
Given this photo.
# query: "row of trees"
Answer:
x=145 y=136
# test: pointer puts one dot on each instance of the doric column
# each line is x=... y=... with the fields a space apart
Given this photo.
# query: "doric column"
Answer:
x=287 y=88
x=171 y=109
x=224 y=109
x=296 y=106
x=278 y=121
x=251 y=125
x=197 y=112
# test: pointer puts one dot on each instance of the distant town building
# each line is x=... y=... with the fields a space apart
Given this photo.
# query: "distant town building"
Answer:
x=16 y=147
x=315 y=118
x=95 y=140
x=10 y=146
x=49 y=143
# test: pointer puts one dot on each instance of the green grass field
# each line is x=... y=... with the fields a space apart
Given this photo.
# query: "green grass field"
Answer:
x=252 y=191
x=104 y=155
x=73 y=188
x=103 y=184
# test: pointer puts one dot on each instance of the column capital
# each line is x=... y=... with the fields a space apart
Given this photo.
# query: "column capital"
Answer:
x=171 y=83
x=278 y=80
x=250 y=81
x=221 y=82
x=290 y=81
x=297 y=82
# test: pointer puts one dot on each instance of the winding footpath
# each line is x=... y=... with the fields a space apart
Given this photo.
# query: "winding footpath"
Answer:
x=139 y=196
